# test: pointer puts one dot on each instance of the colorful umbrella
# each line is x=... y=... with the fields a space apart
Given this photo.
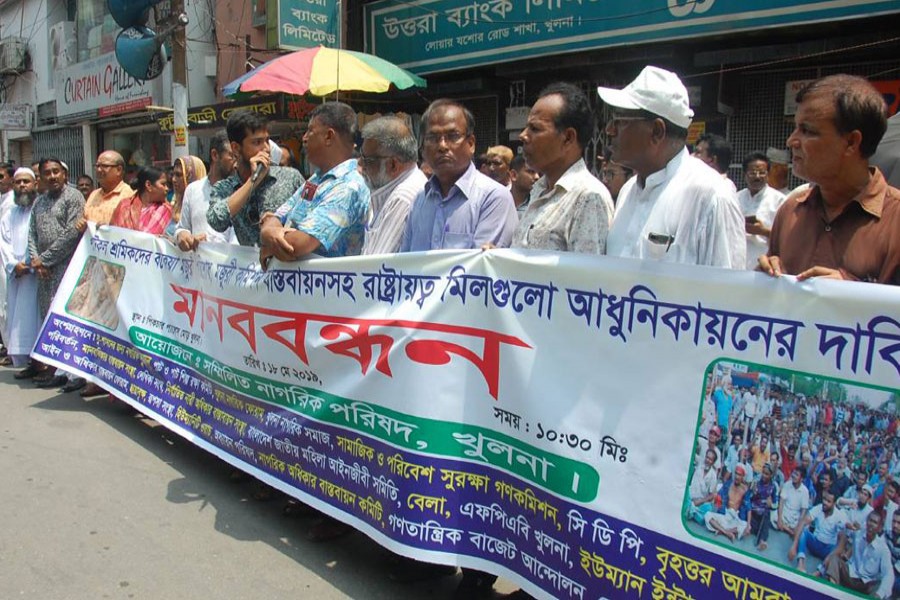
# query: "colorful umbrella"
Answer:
x=321 y=71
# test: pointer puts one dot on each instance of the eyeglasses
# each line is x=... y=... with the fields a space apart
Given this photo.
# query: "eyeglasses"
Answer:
x=617 y=122
x=368 y=161
x=105 y=166
x=757 y=173
x=452 y=138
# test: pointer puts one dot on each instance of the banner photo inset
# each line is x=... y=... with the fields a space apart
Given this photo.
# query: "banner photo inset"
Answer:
x=539 y=416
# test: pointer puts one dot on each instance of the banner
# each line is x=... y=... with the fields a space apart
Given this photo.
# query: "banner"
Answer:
x=427 y=36
x=534 y=415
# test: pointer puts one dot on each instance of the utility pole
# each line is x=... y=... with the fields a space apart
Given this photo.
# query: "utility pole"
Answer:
x=180 y=147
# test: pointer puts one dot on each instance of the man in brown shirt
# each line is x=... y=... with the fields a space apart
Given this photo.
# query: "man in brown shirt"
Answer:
x=103 y=201
x=846 y=225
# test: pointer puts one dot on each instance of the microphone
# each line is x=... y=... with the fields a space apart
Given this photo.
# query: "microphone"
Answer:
x=257 y=172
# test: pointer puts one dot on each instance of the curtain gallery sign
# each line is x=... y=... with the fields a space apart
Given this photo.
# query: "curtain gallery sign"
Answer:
x=100 y=87
x=426 y=36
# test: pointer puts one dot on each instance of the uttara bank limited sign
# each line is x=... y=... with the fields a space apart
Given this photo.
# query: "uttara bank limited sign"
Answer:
x=99 y=88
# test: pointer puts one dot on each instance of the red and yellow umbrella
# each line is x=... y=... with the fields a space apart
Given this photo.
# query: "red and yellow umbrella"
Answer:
x=321 y=71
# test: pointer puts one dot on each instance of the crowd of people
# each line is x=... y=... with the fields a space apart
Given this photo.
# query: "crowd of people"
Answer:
x=823 y=473
x=653 y=200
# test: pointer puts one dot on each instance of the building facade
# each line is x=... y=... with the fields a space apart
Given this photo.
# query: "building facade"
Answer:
x=741 y=61
x=81 y=101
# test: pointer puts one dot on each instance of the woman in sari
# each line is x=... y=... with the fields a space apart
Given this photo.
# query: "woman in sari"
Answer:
x=147 y=210
x=188 y=169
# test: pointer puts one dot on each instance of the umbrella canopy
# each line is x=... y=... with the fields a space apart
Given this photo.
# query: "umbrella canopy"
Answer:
x=321 y=71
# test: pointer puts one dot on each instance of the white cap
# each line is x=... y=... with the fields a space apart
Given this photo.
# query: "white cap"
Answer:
x=655 y=90
x=781 y=157
x=24 y=171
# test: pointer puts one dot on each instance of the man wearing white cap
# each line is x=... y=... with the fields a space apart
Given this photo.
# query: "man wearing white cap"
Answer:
x=677 y=208
x=21 y=327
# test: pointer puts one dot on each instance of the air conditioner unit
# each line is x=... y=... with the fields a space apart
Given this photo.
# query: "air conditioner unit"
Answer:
x=63 y=46
x=12 y=55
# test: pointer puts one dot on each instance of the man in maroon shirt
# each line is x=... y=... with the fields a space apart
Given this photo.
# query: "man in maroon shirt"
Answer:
x=846 y=225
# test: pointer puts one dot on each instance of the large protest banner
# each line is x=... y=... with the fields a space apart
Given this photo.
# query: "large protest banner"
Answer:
x=533 y=415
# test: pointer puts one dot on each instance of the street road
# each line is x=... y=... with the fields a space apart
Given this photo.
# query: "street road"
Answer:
x=98 y=502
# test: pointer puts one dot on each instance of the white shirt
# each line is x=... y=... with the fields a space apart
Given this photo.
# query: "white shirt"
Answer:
x=763 y=206
x=751 y=404
x=574 y=216
x=688 y=209
x=388 y=210
x=793 y=502
x=703 y=484
x=6 y=202
x=828 y=527
x=193 y=214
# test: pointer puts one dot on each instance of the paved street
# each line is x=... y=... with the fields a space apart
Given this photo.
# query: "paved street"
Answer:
x=100 y=503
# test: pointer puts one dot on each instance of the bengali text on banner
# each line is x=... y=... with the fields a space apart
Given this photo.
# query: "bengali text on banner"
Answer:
x=533 y=415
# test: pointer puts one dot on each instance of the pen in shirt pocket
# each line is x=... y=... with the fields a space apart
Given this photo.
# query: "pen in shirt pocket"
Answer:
x=661 y=238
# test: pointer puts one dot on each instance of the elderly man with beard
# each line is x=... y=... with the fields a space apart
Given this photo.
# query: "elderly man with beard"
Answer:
x=52 y=238
x=22 y=322
x=387 y=161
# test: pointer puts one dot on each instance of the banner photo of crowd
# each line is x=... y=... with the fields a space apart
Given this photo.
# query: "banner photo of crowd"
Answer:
x=800 y=471
x=534 y=416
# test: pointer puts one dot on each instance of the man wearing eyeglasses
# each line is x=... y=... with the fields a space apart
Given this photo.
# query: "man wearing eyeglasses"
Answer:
x=101 y=203
x=677 y=209
x=388 y=164
x=460 y=208
x=98 y=208
x=759 y=203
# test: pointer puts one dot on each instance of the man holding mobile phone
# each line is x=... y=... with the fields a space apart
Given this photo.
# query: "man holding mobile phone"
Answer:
x=759 y=203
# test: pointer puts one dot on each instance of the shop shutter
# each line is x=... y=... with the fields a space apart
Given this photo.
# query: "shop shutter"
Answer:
x=65 y=144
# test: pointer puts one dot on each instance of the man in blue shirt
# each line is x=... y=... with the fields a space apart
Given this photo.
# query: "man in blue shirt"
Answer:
x=460 y=208
x=327 y=214
x=723 y=398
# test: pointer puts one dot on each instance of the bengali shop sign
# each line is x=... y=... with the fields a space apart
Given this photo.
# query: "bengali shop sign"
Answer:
x=438 y=35
x=297 y=24
x=532 y=415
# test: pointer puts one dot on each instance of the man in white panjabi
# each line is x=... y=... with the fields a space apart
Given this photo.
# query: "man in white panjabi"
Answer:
x=21 y=326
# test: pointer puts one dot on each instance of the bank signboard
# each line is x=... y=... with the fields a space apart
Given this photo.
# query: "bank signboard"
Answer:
x=296 y=24
x=426 y=36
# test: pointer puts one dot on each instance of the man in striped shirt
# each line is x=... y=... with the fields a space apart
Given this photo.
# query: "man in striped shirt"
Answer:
x=387 y=161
